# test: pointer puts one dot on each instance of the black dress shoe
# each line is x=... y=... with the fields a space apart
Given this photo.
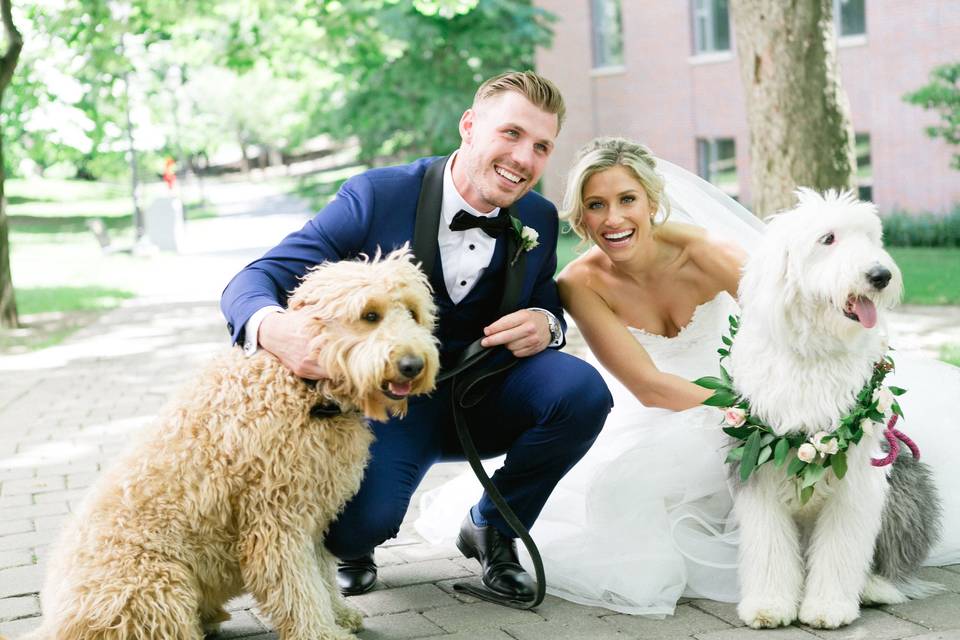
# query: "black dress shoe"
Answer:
x=497 y=554
x=357 y=576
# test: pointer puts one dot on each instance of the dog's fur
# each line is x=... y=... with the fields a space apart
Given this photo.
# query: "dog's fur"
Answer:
x=801 y=361
x=236 y=486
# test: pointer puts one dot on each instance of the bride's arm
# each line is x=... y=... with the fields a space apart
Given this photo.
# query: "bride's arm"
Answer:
x=621 y=354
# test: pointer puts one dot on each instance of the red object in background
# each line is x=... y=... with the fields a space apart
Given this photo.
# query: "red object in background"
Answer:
x=169 y=173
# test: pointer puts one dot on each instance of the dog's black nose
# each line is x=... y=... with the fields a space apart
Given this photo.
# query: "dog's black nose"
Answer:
x=879 y=276
x=410 y=366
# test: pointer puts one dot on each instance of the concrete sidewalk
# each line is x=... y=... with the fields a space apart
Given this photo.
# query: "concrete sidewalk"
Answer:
x=65 y=412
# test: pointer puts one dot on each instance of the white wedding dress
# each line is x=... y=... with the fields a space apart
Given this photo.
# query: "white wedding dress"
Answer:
x=644 y=518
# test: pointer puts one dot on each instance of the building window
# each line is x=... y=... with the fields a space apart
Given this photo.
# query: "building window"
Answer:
x=717 y=164
x=864 y=178
x=607 y=33
x=850 y=17
x=711 y=26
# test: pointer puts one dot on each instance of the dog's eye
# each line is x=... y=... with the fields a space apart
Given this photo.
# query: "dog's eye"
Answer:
x=371 y=316
x=828 y=239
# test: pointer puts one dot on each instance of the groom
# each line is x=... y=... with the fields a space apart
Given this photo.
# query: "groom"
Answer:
x=544 y=412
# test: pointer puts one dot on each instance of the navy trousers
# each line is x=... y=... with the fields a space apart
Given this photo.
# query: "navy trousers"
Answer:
x=544 y=414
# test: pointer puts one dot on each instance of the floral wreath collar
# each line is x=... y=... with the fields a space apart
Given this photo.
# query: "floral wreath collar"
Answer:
x=756 y=443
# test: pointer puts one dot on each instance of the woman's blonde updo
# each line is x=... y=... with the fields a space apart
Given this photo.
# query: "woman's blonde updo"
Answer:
x=603 y=153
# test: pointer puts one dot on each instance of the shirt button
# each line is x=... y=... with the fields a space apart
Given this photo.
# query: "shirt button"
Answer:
x=463 y=283
x=472 y=247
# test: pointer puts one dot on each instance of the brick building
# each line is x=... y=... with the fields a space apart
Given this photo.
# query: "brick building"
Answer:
x=665 y=72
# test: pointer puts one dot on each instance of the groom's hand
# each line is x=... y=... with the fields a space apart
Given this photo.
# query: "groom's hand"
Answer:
x=285 y=336
x=524 y=332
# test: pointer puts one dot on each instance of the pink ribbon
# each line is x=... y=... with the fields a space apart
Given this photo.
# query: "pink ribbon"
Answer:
x=893 y=437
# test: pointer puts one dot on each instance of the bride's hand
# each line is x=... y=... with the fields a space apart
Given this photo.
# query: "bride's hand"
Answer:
x=524 y=332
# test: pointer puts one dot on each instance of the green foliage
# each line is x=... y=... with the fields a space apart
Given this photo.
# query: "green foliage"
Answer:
x=901 y=229
x=406 y=87
x=942 y=94
x=930 y=275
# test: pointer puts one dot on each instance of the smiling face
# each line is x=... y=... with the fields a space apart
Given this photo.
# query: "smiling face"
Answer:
x=616 y=212
x=506 y=141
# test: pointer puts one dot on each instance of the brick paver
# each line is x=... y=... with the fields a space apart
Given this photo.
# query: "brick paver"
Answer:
x=67 y=411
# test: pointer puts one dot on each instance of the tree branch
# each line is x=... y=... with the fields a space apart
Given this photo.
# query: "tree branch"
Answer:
x=9 y=60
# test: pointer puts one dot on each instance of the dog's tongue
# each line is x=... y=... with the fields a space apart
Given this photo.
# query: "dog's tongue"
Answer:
x=400 y=388
x=866 y=311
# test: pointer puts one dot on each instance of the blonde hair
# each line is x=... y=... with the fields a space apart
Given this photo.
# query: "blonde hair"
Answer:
x=601 y=154
x=541 y=92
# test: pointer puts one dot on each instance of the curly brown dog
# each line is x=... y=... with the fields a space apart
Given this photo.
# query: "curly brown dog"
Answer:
x=235 y=487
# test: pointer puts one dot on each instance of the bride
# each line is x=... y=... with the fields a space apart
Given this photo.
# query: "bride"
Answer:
x=644 y=517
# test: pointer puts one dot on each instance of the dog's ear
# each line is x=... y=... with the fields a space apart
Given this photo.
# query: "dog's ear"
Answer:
x=766 y=281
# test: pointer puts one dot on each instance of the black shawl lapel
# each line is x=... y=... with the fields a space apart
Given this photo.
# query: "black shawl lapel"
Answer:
x=513 y=282
x=427 y=223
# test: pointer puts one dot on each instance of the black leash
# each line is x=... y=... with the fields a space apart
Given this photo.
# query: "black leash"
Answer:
x=466 y=393
x=464 y=377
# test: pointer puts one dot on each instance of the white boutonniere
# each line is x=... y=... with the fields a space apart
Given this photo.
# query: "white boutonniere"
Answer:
x=527 y=238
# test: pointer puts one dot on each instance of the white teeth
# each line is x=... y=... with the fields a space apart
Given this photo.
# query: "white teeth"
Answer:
x=512 y=177
x=618 y=236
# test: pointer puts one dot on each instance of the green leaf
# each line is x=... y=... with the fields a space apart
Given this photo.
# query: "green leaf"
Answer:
x=811 y=474
x=897 y=391
x=735 y=455
x=721 y=398
x=796 y=466
x=767 y=438
x=781 y=451
x=751 y=451
x=805 y=494
x=709 y=382
x=741 y=433
x=727 y=341
x=734 y=321
x=723 y=352
x=838 y=462
x=725 y=376
x=896 y=408
x=765 y=454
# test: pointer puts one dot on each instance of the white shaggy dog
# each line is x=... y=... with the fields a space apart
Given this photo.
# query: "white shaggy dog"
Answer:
x=811 y=330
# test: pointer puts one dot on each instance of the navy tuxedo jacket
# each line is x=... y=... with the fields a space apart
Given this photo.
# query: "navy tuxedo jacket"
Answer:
x=376 y=210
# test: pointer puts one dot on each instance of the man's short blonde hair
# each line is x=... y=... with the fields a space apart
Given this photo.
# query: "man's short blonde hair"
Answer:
x=541 y=92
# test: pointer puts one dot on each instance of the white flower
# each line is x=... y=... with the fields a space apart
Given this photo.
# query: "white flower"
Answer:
x=529 y=238
x=807 y=452
x=869 y=427
x=884 y=399
x=826 y=447
x=734 y=416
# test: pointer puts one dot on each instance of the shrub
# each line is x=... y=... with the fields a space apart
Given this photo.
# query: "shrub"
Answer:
x=901 y=229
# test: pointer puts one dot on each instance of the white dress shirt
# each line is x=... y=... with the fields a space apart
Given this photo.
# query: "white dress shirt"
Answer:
x=465 y=256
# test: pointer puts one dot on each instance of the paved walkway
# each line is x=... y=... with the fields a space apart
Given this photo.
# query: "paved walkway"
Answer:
x=66 y=411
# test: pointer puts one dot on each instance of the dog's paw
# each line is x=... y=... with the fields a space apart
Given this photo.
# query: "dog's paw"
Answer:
x=879 y=590
x=767 y=613
x=349 y=618
x=828 y=613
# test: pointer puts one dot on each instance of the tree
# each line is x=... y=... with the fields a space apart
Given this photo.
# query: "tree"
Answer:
x=942 y=94
x=8 y=63
x=797 y=112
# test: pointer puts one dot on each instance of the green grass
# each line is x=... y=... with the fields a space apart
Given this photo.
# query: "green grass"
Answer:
x=930 y=275
x=950 y=353
x=319 y=188
x=31 y=300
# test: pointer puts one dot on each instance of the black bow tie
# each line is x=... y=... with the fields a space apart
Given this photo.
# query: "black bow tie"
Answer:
x=492 y=226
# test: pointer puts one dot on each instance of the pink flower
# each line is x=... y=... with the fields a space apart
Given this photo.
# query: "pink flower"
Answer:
x=884 y=399
x=734 y=416
x=826 y=447
x=807 y=452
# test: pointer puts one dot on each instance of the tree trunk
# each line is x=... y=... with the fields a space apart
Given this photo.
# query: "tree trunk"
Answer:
x=8 y=303
x=799 y=118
